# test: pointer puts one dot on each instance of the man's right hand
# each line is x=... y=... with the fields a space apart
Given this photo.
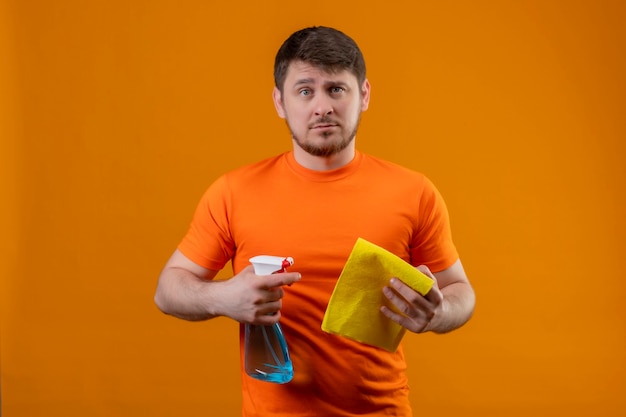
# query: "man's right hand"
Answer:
x=255 y=299
x=188 y=291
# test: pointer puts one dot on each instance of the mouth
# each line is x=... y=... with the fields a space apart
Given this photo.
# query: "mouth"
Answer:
x=323 y=126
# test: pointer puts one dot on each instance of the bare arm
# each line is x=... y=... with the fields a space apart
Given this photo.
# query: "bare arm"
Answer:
x=186 y=290
x=447 y=306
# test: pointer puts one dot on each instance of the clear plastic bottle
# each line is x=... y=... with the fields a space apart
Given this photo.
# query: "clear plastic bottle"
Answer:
x=266 y=356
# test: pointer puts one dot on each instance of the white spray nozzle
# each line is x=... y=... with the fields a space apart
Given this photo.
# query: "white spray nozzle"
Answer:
x=266 y=265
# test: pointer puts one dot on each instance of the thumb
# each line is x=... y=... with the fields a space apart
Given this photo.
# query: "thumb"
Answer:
x=426 y=271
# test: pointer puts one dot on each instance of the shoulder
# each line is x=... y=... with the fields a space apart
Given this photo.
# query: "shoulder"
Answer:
x=391 y=171
x=242 y=177
x=261 y=166
x=263 y=170
x=396 y=179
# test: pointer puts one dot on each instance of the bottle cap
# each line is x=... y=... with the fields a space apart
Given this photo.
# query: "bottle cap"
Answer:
x=266 y=265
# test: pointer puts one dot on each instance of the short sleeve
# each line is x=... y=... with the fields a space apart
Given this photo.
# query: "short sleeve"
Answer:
x=209 y=241
x=432 y=243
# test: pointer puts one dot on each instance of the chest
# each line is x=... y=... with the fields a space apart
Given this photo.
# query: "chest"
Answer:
x=318 y=225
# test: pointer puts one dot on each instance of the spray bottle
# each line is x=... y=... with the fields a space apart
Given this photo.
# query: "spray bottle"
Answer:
x=266 y=356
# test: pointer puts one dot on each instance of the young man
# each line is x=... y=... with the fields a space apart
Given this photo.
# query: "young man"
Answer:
x=312 y=204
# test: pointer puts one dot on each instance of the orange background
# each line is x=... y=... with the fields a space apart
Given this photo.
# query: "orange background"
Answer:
x=116 y=115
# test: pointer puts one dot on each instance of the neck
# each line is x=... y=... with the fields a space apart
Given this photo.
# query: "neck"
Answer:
x=324 y=163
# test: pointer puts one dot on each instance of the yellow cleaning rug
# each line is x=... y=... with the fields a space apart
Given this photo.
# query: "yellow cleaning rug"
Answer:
x=354 y=307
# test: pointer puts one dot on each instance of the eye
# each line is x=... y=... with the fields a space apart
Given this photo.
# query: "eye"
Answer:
x=337 y=90
x=305 y=92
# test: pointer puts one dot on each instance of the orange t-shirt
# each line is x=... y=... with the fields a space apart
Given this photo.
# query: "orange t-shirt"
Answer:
x=277 y=207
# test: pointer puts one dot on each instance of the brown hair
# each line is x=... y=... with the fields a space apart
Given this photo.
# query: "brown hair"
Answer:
x=323 y=47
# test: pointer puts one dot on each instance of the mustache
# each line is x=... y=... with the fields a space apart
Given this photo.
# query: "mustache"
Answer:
x=324 y=120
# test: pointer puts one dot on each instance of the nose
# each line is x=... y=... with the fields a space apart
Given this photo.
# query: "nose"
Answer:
x=323 y=106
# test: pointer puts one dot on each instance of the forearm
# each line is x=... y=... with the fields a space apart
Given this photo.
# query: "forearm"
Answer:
x=457 y=308
x=182 y=294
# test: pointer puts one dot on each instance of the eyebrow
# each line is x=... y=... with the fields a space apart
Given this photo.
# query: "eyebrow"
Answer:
x=304 y=81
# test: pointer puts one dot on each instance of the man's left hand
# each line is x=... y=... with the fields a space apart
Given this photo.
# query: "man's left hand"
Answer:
x=417 y=313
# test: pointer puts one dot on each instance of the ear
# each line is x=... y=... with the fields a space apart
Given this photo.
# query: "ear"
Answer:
x=365 y=95
x=278 y=102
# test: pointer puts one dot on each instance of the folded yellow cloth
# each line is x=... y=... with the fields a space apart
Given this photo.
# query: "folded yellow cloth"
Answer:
x=354 y=307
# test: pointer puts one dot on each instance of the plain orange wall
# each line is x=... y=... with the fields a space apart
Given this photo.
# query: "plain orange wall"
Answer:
x=116 y=115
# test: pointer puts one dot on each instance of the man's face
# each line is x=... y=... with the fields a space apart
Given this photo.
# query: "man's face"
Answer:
x=322 y=109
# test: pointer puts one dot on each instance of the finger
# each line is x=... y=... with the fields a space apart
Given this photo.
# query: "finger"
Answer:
x=278 y=280
x=408 y=293
x=426 y=271
x=400 y=303
x=274 y=294
x=268 y=319
x=270 y=308
x=434 y=296
x=411 y=325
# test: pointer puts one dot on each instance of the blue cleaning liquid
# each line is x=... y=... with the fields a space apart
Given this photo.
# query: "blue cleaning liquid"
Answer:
x=266 y=356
